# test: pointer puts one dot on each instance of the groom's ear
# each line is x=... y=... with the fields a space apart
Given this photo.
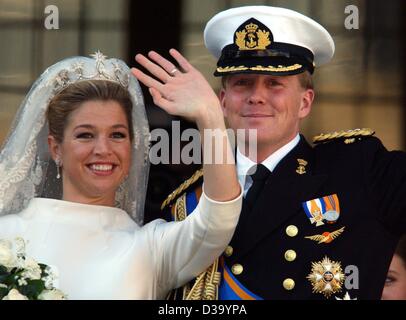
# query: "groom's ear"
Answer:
x=54 y=147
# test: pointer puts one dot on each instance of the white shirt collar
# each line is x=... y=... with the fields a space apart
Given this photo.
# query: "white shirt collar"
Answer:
x=244 y=163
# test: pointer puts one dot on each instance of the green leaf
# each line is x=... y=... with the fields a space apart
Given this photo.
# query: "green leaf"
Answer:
x=33 y=289
x=3 y=292
x=3 y=277
x=8 y=279
x=3 y=270
x=43 y=267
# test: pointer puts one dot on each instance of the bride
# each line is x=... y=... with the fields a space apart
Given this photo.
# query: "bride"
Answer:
x=73 y=178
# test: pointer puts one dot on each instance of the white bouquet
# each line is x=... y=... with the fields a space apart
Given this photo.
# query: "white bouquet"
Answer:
x=23 y=278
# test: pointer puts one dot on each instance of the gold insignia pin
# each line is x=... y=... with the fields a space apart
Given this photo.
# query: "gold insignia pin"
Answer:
x=326 y=277
x=326 y=237
x=301 y=169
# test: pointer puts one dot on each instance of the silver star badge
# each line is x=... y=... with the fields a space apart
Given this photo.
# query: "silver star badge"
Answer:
x=346 y=297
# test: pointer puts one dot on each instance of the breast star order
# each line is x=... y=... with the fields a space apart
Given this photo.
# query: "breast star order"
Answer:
x=326 y=277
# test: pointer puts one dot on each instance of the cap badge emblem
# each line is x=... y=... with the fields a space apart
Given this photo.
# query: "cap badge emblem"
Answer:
x=250 y=36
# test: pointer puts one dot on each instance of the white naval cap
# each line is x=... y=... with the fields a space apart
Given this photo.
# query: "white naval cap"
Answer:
x=264 y=39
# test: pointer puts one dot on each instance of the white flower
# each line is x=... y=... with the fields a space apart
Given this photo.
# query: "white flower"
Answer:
x=51 y=278
x=53 y=294
x=32 y=269
x=14 y=294
x=20 y=247
x=19 y=269
x=7 y=257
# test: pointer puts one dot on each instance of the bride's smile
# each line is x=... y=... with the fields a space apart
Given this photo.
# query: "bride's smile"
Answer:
x=102 y=169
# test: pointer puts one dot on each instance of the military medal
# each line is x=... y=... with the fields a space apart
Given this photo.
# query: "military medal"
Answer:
x=332 y=208
x=326 y=277
x=326 y=237
x=322 y=209
x=314 y=209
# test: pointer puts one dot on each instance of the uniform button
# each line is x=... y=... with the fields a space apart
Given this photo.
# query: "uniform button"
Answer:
x=292 y=231
x=288 y=284
x=290 y=255
x=229 y=251
x=237 y=269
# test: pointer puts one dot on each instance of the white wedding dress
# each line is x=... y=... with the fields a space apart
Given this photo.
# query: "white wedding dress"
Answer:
x=101 y=253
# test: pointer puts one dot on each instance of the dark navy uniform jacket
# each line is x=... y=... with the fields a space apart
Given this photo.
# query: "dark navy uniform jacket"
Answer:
x=271 y=258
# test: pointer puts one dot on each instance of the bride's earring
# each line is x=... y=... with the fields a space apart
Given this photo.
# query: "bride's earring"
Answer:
x=58 y=166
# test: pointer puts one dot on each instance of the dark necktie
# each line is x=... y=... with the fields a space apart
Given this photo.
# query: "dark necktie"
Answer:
x=258 y=179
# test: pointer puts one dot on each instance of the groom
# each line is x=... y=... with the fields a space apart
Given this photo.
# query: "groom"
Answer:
x=318 y=222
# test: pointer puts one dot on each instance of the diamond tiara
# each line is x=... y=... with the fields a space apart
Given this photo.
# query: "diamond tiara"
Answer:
x=115 y=72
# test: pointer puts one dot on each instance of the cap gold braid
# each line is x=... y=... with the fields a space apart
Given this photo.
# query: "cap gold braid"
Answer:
x=349 y=134
x=186 y=184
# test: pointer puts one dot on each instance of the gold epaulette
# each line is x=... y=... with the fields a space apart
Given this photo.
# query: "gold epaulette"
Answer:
x=349 y=135
x=178 y=191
